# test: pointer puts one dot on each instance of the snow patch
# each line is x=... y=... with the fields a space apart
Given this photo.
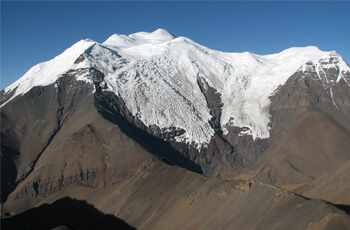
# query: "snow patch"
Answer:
x=331 y=93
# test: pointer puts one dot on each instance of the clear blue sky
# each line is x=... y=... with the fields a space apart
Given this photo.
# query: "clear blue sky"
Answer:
x=34 y=32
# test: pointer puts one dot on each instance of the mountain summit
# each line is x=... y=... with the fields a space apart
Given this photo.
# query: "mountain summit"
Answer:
x=97 y=114
x=140 y=38
x=157 y=76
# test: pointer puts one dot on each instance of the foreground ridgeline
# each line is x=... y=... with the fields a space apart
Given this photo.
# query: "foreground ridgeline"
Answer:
x=128 y=125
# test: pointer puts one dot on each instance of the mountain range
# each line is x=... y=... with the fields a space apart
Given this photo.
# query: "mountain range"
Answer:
x=163 y=132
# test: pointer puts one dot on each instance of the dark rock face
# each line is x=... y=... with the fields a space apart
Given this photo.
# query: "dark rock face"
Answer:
x=5 y=96
x=214 y=104
x=8 y=170
x=113 y=109
x=240 y=151
x=249 y=150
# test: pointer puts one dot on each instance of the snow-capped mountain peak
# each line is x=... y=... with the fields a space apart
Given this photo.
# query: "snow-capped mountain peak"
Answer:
x=157 y=76
x=139 y=38
x=46 y=73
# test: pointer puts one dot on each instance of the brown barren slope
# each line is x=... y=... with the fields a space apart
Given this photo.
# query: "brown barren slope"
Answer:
x=333 y=187
x=309 y=148
x=161 y=196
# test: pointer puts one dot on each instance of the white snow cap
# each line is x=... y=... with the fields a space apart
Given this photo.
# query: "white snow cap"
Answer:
x=47 y=73
x=156 y=74
x=140 y=38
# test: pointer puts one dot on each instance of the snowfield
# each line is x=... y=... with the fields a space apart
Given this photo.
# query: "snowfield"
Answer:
x=156 y=74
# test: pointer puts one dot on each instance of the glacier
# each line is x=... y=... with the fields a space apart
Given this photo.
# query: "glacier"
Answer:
x=156 y=74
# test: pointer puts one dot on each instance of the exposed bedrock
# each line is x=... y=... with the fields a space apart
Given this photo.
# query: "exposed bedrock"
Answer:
x=310 y=137
x=62 y=140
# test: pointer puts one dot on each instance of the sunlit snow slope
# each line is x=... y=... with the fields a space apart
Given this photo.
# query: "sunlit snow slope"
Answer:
x=157 y=76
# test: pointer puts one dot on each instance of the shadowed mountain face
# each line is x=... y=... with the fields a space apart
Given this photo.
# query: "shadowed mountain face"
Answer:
x=66 y=213
x=130 y=131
